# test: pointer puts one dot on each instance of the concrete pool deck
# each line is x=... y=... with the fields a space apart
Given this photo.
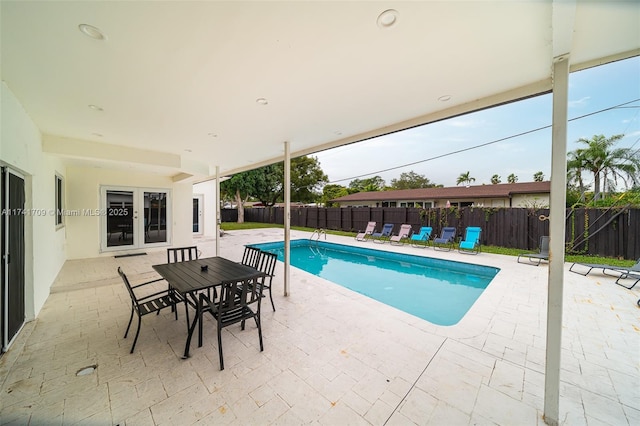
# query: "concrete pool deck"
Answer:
x=331 y=356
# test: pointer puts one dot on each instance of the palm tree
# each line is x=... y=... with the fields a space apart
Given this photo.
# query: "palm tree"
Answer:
x=495 y=179
x=512 y=178
x=538 y=177
x=575 y=166
x=605 y=163
x=465 y=178
x=621 y=163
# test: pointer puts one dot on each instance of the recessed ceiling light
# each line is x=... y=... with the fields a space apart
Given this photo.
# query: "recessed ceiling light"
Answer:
x=213 y=135
x=262 y=101
x=91 y=31
x=97 y=134
x=388 y=18
x=188 y=150
x=444 y=98
x=95 y=107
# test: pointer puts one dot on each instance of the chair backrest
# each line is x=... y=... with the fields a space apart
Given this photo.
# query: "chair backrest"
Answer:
x=251 y=256
x=387 y=229
x=267 y=263
x=423 y=234
x=472 y=234
x=127 y=284
x=236 y=294
x=544 y=244
x=405 y=231
x=448 y=233
x=182 y=254
x=371 y=228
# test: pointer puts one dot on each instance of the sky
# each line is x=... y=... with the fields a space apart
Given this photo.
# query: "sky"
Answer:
x=590 y=91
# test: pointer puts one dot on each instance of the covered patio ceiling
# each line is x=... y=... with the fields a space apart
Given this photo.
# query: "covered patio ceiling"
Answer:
x=178 y=88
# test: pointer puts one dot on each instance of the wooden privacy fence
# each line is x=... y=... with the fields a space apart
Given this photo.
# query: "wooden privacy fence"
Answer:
x=613 y=232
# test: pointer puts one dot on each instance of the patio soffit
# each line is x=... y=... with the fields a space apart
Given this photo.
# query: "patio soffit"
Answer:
x=183 y=87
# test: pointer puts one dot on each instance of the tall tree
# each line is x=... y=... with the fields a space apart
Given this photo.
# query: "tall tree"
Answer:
x=465 y=178
x=606 y=163
x=538 y=177
x=495 y=179
x=375 y=183
x=331 y=192
x=237 y=188
x=267 y=183
x=512 y=178
x=306 y=177
x=412 y=180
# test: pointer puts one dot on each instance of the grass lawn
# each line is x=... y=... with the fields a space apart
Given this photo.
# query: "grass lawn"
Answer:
x=231 y=226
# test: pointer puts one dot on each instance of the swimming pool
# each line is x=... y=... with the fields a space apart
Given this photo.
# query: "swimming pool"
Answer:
x=439 y=291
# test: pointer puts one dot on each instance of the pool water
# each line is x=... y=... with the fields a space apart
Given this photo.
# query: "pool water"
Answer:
x=436 y=290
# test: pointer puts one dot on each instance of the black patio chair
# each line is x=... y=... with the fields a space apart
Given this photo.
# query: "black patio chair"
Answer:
x=147 y=303
x=182 y=254
x=267 y=264
x=251 y=256
x=239 y=301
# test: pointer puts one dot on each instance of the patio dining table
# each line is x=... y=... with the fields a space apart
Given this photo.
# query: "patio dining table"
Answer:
x=190 y=277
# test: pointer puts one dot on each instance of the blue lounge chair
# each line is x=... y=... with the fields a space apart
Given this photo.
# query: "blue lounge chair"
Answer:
x=471 y=243
x=402 y=236
x=363 y=235
x=421 y=239
x=446 y=240
x=384 y=235
x=543 y=252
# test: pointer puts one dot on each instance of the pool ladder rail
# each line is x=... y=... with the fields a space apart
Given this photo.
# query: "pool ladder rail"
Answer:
x=318 y=233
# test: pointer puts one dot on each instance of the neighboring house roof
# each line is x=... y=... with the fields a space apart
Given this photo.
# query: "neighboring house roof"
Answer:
x=501 y=190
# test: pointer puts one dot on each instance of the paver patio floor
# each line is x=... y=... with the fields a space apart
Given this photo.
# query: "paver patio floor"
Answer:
x=332 y=356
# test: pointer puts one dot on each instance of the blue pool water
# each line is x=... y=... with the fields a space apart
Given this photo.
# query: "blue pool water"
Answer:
x=439 y=291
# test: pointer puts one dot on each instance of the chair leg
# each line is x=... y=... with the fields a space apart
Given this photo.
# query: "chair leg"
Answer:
x=271 y=298
x=220 y=348
x=625 y=277
x=257 y=318
x=200 y=321
x=137 y=334
x=129 y=325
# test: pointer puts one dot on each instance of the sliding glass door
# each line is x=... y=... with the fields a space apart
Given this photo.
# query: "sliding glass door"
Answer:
x=134 y=217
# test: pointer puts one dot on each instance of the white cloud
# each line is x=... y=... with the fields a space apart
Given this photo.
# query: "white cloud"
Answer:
x=580 y=102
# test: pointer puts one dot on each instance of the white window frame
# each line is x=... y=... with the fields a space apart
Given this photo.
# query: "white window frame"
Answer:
x=139 y=228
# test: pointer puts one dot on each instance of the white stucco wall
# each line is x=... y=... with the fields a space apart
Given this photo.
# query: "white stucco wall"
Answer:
x=530 y=200
x=21 y=149
x=83 y=193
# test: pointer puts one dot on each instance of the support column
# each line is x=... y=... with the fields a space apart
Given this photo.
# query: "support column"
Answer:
x=218 y=216
x=557 y=211
x=287 y=217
